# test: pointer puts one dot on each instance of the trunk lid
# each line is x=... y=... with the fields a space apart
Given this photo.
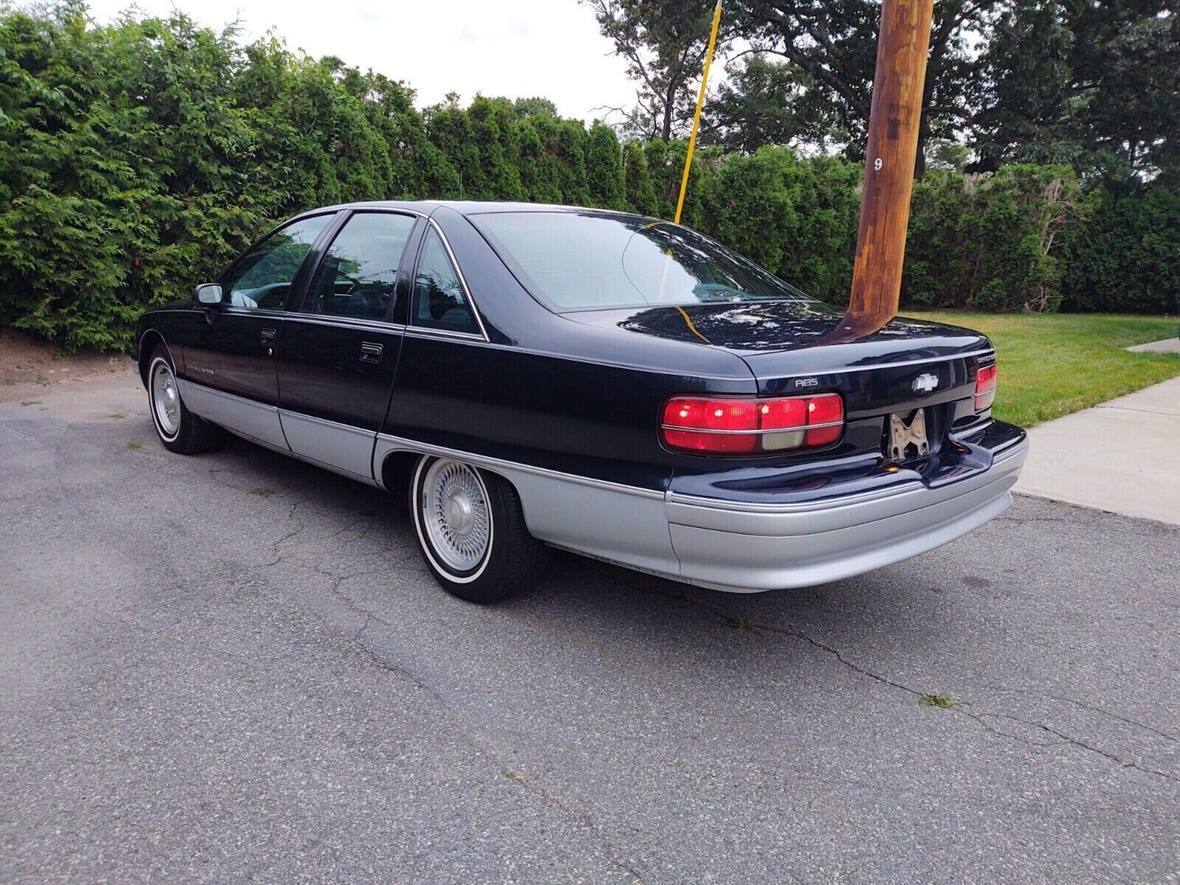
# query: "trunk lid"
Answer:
x=761 y=332
x=792 y=347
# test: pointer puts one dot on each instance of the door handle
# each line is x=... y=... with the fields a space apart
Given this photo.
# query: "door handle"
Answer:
x=268 y=339
x=372 y=351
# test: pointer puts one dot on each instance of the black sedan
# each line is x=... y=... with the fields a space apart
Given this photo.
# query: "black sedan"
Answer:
x=614 y=385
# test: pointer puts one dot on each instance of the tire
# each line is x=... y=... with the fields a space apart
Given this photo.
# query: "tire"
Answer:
x=471 y=531
x=179 y=429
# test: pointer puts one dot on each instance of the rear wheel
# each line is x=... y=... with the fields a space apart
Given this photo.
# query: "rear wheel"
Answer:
x=179 y=429
x=471 y=531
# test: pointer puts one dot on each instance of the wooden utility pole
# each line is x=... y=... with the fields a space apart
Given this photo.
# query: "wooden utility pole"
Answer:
x=889 y=165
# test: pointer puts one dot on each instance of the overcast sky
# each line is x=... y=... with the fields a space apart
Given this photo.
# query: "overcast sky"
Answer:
x=518 y=48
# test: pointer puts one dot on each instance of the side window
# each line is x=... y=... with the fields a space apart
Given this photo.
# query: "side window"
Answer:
x=439 y=299
x=263 y=276
x=357 y=274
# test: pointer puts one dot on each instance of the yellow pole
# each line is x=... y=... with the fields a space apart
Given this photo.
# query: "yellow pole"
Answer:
x=696 y=117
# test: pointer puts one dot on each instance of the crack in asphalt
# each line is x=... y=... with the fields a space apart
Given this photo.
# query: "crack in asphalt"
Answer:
x=463 y=731
x=1078 y=742
x=1099 y=710
x=291 y=534
x=963 y=709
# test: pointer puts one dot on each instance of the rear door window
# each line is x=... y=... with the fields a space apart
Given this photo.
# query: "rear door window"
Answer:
x=440 y=299
x=358 y=272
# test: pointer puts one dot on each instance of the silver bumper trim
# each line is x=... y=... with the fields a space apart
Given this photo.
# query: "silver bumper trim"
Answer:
x=749 y=551
x=1002 y=456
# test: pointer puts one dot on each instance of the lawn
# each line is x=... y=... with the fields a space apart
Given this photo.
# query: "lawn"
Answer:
x=1053 y=364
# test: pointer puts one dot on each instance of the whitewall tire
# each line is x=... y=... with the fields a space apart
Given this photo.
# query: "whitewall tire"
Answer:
x=471 y=531
x=179 y=429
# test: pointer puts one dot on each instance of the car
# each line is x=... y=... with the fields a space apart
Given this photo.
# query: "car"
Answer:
x=618 y=386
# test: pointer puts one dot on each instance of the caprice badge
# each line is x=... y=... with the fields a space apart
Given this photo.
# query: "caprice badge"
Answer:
x=925 y=383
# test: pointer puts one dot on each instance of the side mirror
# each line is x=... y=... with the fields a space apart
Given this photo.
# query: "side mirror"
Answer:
x=207 y=294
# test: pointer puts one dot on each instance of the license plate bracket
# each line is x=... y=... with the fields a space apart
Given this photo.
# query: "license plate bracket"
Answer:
x=907 y=437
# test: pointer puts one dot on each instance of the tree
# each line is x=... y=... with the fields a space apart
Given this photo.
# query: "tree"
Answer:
x=1125 y=257
x=819 y=91
x=992 y=242
x=537 y=106
x=664 y=43
x=768 y=102
x=1095 y=85
x=641 y=195
x=834 y=43
x=604 y=168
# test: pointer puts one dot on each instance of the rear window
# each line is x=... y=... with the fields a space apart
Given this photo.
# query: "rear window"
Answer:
x=588 y=261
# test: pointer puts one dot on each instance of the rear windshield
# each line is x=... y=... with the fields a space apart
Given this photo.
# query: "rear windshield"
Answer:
x=589 y=261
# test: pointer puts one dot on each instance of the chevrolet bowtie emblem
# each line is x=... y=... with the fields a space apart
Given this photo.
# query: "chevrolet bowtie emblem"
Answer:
x=902 y=436
x=925 y=383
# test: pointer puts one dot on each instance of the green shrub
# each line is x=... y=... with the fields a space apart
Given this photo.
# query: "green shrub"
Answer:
x=796 y=217
x=991 y=242
x=1126 y=258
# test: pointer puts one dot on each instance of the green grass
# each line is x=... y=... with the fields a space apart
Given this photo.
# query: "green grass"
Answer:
x=942 y=701
x=1053 y=364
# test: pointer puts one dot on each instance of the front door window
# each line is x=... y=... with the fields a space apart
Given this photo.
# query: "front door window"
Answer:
x=262 y=277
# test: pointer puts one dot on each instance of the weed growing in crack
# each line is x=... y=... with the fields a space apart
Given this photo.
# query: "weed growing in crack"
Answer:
x=942 y=701
x=135 y=443
x=743 y=624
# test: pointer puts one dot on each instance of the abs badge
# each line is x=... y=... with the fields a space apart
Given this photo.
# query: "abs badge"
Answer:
x=925 y=383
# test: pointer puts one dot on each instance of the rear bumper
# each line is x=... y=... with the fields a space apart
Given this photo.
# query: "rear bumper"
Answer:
x=747 y=547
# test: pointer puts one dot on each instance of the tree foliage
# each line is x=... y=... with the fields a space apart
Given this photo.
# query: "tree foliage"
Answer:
x=138 y=158
x=992 y=242
x=800 y=70
x=1126 y=258
x=1095 y=85
x=810 y=205
x=663 y=42
x=1092 y=84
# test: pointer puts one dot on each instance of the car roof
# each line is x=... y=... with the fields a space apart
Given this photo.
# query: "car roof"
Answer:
x=472 y=207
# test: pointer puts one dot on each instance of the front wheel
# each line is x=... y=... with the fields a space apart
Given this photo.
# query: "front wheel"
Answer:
x=179 y=429
x=471 y=531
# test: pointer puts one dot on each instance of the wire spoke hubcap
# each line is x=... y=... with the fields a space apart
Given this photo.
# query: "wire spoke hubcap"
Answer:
x=454 y=509
x=166 y=399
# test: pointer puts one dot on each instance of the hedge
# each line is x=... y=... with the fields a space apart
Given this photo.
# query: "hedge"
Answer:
x=139 y=157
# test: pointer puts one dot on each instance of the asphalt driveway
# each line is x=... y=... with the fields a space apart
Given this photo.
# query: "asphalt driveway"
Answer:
x=234 y=666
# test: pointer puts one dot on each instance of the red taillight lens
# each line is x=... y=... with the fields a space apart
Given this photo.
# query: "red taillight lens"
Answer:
x=985 y=387
x=719 y=426
x=710 y=425
x=825 y=410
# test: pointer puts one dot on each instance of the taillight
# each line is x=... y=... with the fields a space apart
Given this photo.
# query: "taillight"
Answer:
x=726 y=426
x=985 y=387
